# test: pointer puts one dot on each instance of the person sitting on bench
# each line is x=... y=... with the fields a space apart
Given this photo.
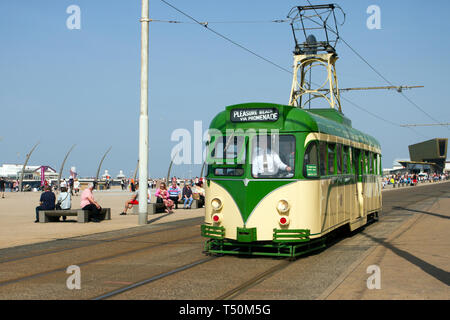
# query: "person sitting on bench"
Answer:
x=88 y=203
x=64 y=201
x=162 y=196
x=134 y=200
x=187 y=196
x=47 y=201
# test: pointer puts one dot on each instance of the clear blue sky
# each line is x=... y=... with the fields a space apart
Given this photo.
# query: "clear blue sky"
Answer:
x=64 y=87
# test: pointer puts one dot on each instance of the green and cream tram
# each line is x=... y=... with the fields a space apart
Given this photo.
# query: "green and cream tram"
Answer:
x=280 y=178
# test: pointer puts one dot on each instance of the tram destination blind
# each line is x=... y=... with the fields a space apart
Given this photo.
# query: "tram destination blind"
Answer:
x=254 y=115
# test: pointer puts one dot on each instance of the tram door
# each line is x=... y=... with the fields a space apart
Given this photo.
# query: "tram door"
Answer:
x=358 y=166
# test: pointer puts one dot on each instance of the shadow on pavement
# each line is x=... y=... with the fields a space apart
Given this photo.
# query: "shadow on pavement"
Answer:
x=433 y=271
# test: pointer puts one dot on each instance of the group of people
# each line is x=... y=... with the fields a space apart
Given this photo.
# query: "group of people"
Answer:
x=131 y=184
x=12 y=185
x=173 y=195
x=170 y=197
x=412 y=179
x=48 y=201
x=72 y=186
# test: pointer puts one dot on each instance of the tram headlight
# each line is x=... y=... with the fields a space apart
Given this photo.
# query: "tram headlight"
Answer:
x=283 y=206
x=216 y=204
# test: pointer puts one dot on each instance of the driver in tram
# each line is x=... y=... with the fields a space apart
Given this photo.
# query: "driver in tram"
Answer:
x=267 y=163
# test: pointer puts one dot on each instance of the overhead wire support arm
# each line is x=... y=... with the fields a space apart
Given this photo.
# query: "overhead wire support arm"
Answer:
x=425 y=125
x=398 y=88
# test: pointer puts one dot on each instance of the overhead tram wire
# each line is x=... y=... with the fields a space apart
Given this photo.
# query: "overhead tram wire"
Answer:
x=226 y=38
x=221 y=22
x=273 y=63
x=382 y=119
x=378 y=117
x=373 y=68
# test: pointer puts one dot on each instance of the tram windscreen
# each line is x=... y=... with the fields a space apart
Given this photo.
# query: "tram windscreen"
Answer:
x=228 y=156
x=273 y=156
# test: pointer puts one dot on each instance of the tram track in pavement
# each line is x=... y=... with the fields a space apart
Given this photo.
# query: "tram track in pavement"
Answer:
x=233 y=293
x=92 y=242
x=255 y=280
x=98 y=259
x=225 y=296
x=152 y=279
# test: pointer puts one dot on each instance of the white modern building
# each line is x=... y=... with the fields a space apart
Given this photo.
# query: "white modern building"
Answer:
x=13 y=171
x=120 y=175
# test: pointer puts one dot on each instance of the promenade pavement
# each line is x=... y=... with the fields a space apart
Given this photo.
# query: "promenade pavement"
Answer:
x=17 y=215
x=414 y=261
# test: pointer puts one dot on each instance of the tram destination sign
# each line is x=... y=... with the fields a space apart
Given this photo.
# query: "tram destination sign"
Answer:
x=254 y=115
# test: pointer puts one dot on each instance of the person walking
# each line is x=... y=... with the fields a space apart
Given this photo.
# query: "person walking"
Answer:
x=46 y=202
x=2 y=187
x=76 y=186
x=88 y=203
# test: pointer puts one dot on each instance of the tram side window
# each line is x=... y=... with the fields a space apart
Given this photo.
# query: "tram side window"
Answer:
x=366 y=162
x=345 y=161
x=370 y=163
x=356 y=161
x=311 y=161
x=339 y=158
x=323 y=158
x=361 y=163
x=380 y=172
x=331 y=153
x=374 y=163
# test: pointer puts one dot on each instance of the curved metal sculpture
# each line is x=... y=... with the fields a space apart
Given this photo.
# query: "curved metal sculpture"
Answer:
x=100 y=165
x=203 y=167
x=62 y=167
x=170 y=168
x=24 y=165
x=136 y=171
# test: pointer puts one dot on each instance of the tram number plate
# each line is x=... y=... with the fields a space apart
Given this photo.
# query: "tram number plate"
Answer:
x=254 y=115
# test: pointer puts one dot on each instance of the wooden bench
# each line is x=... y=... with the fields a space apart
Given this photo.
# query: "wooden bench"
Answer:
x=82 y=215
x=152 y=208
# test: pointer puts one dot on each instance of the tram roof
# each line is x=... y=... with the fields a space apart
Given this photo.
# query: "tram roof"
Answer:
x=328 y=121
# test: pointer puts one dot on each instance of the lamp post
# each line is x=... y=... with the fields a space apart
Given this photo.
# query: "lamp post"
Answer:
x=143 y=117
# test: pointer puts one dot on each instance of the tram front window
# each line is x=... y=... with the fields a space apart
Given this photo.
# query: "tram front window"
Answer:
x=273 y=156
x=228 y=156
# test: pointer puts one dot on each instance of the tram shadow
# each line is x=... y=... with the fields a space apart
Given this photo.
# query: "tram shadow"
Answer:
x=344 y=232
